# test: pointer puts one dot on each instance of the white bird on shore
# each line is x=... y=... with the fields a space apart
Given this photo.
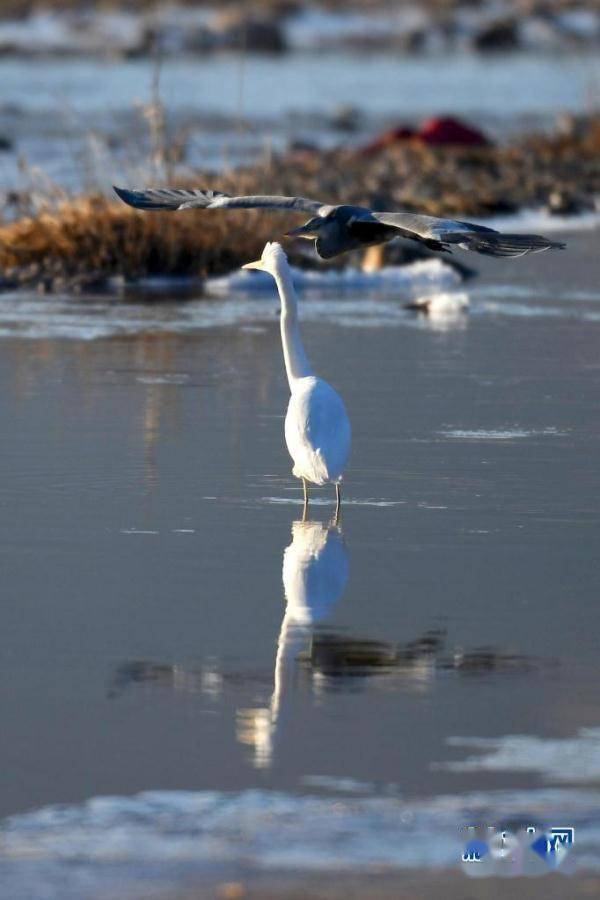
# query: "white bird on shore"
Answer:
x=317 y=428
x=447 y=303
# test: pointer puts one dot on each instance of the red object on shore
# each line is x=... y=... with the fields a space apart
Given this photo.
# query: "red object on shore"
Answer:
x=402 y=133
x=438 y=131
x=447 y=130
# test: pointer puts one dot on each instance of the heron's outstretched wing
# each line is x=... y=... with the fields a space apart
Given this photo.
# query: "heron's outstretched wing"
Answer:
x=443 y=232
x=178 y=198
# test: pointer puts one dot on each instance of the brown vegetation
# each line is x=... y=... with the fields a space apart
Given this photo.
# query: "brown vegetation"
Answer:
x=77 y=242
x=87 y=240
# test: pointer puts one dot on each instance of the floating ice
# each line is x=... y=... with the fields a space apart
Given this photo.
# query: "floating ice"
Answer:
x=559 y=759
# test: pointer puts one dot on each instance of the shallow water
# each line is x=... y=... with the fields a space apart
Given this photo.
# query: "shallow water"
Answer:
x=149 y=546
x=81 y=121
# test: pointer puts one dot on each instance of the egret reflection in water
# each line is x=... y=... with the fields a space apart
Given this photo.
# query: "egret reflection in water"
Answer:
x=315 y=573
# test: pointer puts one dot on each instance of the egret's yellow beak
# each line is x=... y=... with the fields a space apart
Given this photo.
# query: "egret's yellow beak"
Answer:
x=253 y=265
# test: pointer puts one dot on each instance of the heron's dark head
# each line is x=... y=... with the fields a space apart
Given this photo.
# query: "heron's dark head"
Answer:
x=309 y=230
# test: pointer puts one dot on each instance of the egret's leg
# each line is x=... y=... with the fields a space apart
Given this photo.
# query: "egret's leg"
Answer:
x=305 y=509
x=338 y=501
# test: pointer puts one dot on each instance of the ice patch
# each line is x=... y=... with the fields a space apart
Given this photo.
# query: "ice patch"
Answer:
x=560 y=759
x=92 y=318
x=499 y=434
x=126 y=844
x=137 y=531
x=413 y=278
x=322 y=501
x=342 y=785
x=162 y=379
x=532 y=220
x=531 y=311
x=347 y=298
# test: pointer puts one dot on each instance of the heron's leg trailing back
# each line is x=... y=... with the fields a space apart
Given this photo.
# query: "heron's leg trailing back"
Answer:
x=305 y=510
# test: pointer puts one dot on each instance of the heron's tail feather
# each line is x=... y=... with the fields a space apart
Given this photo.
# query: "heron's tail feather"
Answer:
x=167 y=198
x=494 y=243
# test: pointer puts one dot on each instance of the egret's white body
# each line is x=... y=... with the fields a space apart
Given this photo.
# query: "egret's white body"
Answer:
x=317 y=428
x=317 y=431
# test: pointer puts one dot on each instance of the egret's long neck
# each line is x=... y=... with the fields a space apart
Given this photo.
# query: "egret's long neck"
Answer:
x=296 y=360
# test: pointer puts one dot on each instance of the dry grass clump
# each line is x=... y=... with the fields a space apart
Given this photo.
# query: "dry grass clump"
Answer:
x=88 y=240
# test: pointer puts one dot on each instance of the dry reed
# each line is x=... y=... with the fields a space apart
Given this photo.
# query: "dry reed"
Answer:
x=88 y=240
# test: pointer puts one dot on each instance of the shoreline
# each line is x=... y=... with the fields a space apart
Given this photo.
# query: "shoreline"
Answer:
x=52 y=241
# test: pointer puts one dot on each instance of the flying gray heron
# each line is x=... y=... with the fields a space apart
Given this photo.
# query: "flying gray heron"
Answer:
x=337 y=229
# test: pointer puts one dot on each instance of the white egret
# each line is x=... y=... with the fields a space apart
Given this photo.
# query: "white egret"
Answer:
x=317 y=428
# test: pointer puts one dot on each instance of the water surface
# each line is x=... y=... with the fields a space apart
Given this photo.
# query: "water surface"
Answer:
x=168 y=624
x=84 y=121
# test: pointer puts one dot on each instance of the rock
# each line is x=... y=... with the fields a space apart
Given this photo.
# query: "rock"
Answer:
x=502 y=34
x=237 y=29
x=497 y=207
x=346 y=118
x=562 y=203
x=303 y=148
x=413 y=41
x=410 y=41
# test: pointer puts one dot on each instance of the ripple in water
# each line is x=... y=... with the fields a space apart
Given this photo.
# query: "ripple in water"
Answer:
x=499 y=434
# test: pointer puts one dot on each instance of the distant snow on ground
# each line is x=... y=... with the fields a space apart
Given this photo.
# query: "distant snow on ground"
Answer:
x=417 y=276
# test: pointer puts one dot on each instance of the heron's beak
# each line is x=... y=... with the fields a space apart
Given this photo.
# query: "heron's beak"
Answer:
x=253 y=265
x=302 y=232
